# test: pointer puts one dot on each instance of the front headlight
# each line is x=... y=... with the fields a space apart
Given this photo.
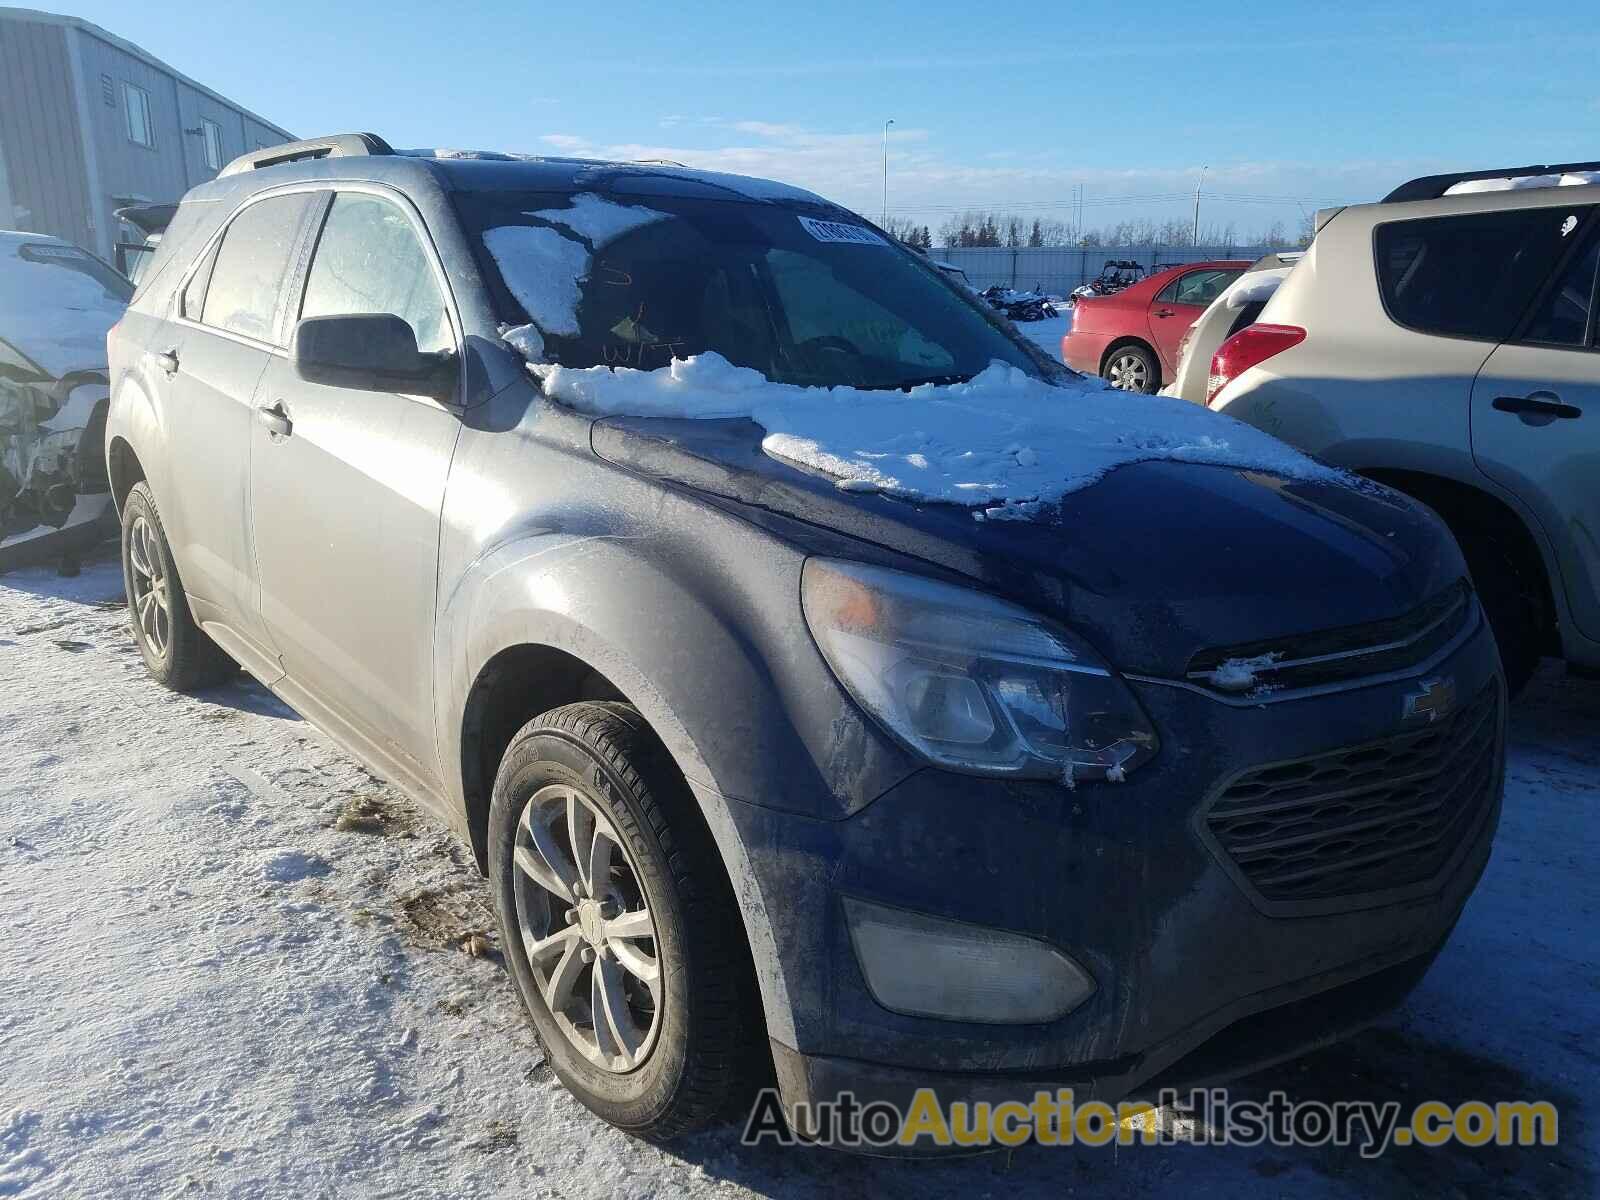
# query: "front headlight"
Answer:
x=969 y=681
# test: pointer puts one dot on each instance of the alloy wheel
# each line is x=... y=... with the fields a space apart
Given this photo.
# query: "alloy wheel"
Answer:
x=585 y=924
x=1128 y=373
x=152 y=594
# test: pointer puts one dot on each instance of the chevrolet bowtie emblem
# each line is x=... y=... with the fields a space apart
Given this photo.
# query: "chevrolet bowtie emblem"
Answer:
x=1434 y=702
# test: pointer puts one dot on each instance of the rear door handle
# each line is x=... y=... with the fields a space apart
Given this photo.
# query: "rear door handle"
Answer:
x=1163 y=312
x=276 y=420
x=1537 y=408
x=167 y=360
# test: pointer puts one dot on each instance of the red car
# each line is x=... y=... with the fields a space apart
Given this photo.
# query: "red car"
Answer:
x=1131 y=338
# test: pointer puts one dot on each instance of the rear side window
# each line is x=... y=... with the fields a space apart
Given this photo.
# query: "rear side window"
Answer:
x=1564 y=316
x=368 y=260
x=247 y=278
x=1471 y=276
x=1197 y=287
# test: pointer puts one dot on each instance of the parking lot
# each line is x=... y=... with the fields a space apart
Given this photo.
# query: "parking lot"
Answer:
x=253 y=956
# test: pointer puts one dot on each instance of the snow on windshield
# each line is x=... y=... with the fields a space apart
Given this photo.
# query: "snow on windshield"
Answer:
x=1255 y=287
x=1004 y=443
x=544 y=266
x=53 y=310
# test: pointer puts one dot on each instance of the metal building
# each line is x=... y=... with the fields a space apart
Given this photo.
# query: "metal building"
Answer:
x=90 y=123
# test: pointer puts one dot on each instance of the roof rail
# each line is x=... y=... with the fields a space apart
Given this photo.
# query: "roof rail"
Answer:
x=333 y=146
x=1431 y=187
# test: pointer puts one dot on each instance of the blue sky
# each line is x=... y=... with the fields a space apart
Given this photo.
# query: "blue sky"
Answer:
x=1009 y=109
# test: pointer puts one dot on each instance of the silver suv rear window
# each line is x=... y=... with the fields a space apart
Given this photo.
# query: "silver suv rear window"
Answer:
x=1473 y=275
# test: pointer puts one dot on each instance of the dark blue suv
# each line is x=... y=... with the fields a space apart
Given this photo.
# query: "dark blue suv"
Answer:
x=829 y=685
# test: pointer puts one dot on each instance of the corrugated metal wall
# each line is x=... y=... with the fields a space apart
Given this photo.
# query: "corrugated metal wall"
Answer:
x=39 y=134
x=1059 y=269
x=60 y=79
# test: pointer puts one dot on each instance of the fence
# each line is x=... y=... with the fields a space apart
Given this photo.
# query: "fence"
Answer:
x=1059 y=269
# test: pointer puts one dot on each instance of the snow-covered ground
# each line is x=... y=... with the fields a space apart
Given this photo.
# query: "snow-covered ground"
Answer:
x=232 y=966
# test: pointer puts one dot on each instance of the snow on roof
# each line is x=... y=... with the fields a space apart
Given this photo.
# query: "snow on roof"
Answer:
x=1519 y=182
x=1004 y=444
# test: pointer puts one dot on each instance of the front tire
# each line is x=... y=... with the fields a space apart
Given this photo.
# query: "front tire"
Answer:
x=176 y=651
x=1132 y=369
x=618 y=923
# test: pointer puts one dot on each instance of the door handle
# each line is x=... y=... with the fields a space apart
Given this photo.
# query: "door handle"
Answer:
x=167 y=360
x=1537 y=408
x=276 y=420
x=1163 y=312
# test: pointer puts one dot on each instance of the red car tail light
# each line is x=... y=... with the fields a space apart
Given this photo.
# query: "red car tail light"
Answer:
x=1251 y=346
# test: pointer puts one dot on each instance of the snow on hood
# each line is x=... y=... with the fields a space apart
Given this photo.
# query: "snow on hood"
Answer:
x=1004 y=443
x=1518 y=182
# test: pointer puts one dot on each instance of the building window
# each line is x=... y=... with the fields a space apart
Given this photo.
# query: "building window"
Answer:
x=136 y=101
x=211 y=135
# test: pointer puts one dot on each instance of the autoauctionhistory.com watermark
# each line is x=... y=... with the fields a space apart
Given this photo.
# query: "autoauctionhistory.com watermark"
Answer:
x=1204 y=1116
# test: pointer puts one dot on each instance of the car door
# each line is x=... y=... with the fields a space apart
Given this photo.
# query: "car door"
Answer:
x=1536 y=415
x=211 y=356
x=346 y=487
x=1179 y=305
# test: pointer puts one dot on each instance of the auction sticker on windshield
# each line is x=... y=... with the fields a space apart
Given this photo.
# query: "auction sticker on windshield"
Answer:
x=840 y=231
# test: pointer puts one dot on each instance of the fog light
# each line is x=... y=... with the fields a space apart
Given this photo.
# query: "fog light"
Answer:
x=928 y=967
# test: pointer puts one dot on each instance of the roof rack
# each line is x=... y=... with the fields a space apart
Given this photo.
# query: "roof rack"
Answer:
x=1431 y=187
x=335 y=145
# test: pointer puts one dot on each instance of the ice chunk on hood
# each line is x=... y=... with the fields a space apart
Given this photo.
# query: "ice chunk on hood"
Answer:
x=1004 y=442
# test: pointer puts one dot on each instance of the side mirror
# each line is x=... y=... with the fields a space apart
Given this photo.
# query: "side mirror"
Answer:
x=375 y=352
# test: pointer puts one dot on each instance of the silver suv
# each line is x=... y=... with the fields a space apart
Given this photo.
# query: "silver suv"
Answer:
x=1444 y=341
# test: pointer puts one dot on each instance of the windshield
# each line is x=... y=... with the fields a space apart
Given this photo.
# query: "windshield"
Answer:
x=803 y=300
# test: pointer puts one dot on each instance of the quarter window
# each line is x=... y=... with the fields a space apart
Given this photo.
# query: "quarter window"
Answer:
x=136 y=106
x=1564 y=315
x=369 y=261
x=1471 y=276
x=211 y=136
x=247 y=278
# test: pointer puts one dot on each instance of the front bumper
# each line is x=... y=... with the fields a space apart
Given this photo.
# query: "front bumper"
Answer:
x=1120 y=878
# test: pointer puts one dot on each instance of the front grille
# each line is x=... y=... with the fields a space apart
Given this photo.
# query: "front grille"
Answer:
x=1333 y=656
x=1367 y=819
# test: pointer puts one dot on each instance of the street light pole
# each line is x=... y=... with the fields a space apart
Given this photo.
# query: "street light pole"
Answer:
x=1194 y=237
x=886 y=125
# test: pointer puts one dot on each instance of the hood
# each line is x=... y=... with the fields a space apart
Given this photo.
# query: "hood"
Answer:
x=1154 y=563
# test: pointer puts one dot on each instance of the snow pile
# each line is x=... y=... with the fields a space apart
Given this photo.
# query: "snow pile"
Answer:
x=1255 y=288
x=1005 y=441
x=1518 y=182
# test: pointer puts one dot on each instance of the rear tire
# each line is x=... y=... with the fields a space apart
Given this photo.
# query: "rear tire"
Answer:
x=1510 y=602
x=176 y=651
x=1132 y=369
x=655 y=1058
